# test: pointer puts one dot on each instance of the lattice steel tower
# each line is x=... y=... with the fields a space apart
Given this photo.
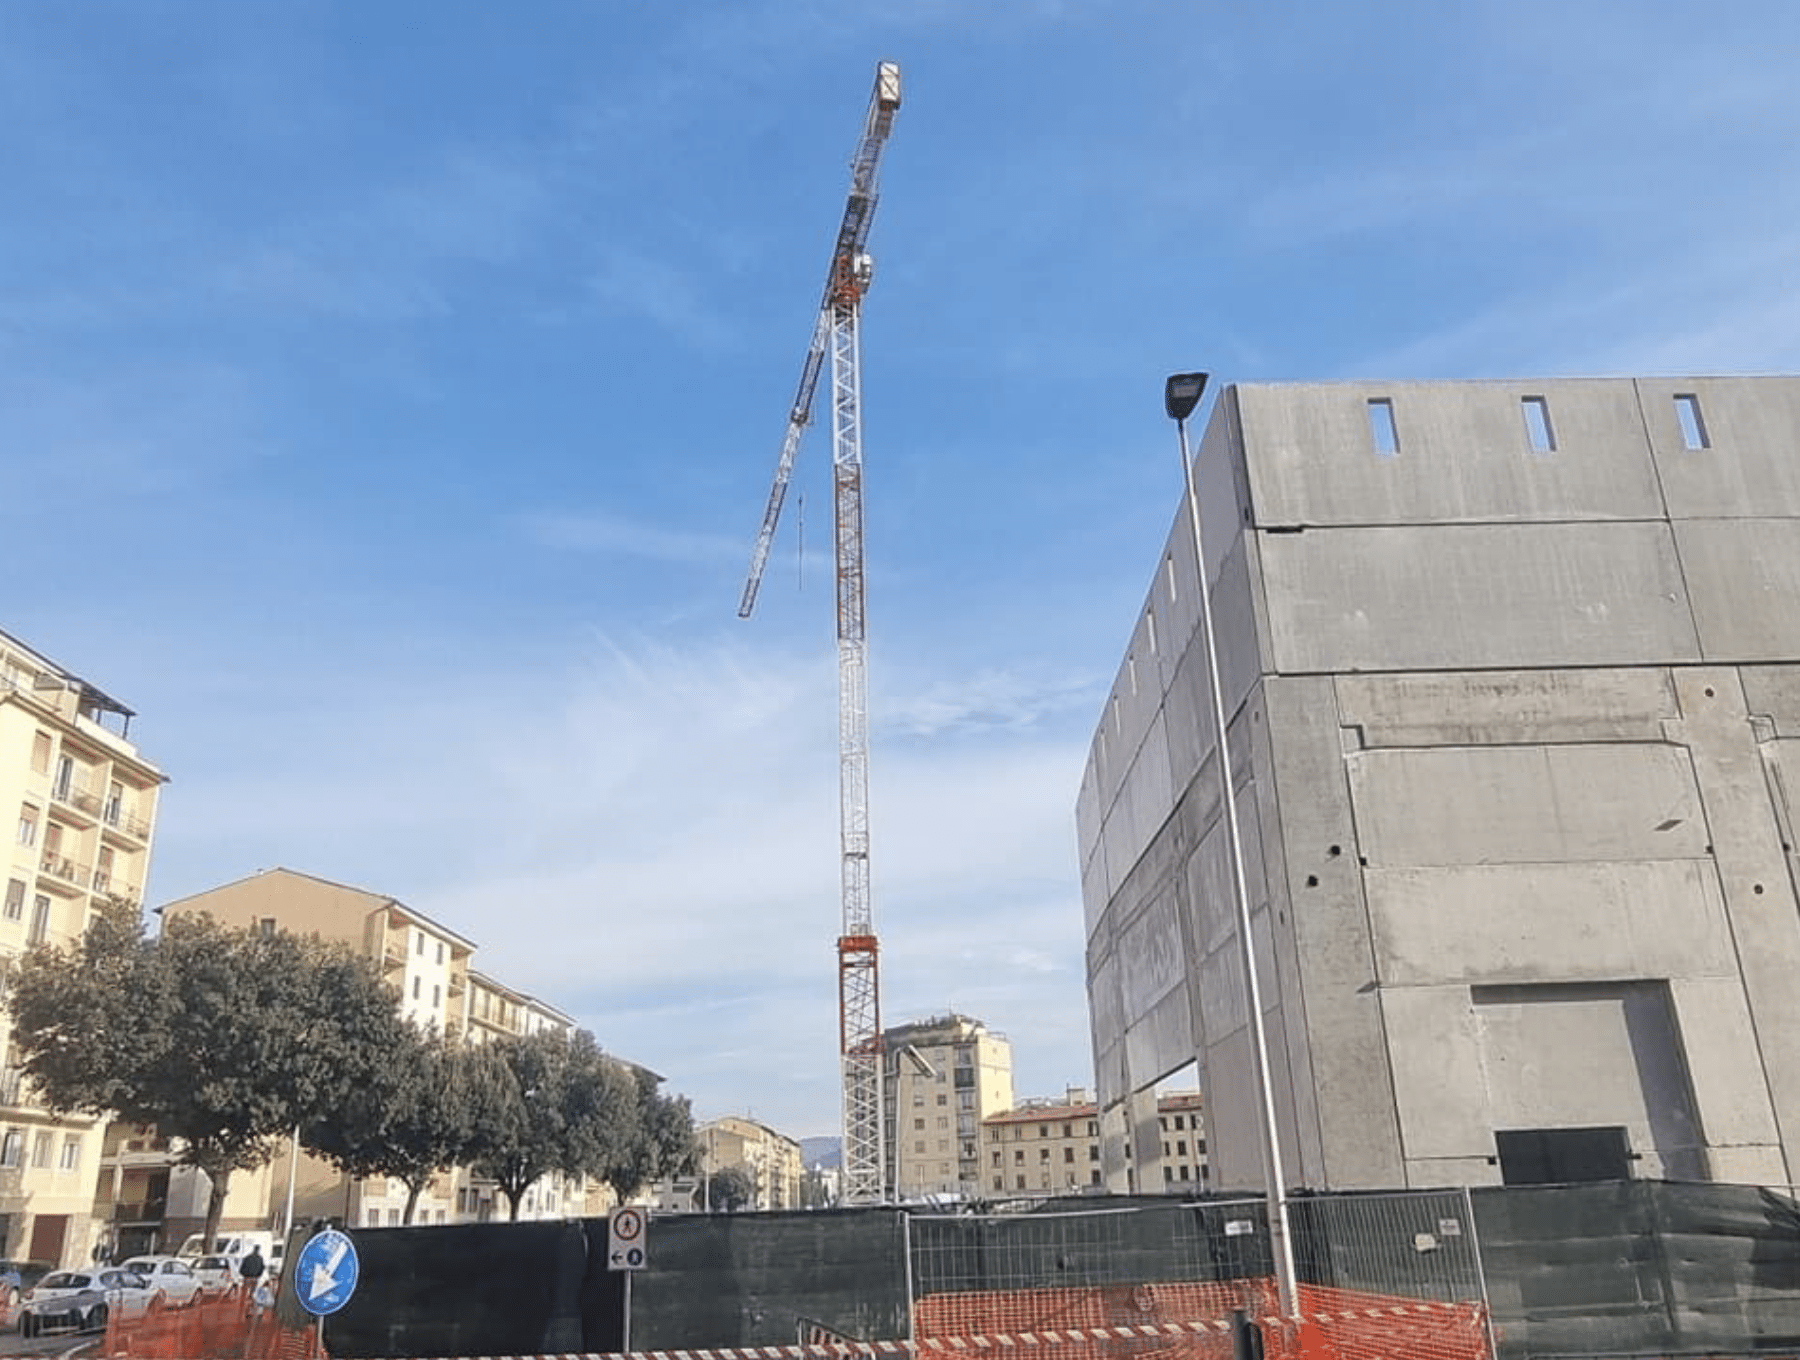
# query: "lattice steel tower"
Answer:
x=836 y=330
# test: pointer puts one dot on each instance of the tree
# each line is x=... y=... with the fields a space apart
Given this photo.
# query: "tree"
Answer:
x=727 y=1190
x=657 y=1141
x=549 y=1102
x=412 y=1119
x=222 y=1038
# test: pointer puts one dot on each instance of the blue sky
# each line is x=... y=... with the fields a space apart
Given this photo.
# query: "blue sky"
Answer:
x=397 y=388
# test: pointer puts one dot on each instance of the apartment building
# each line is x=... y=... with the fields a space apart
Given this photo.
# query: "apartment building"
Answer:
x=85 y=803
x=1511 y=679
x=429 y=965
x=1052 y=1147
x=770 y=1160
x=943 y=1076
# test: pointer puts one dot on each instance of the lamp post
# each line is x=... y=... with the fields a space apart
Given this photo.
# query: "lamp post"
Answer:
x=1181 y=394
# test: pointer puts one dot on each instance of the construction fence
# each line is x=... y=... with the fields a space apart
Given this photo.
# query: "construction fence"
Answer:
x=1380 y=1276
x=1634 y=1269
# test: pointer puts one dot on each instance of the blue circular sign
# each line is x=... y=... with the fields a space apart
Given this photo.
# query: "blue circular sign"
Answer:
x=325 y=1273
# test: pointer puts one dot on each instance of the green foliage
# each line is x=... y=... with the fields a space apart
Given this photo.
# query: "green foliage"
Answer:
x=549 y=1103
x=657 y=1141
x=727 y=1190
x=411 y=1119
x=224 y=1038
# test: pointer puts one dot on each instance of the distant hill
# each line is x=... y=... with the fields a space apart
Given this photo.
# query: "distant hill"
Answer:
x=827 y=1152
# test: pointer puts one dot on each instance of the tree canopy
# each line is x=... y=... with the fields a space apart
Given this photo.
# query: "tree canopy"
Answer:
x=223 y=1038
x=412 y=1119
x=227 y=1039
x=550 y=1103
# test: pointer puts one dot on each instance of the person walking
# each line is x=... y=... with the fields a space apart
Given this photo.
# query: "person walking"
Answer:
x=250 y=1272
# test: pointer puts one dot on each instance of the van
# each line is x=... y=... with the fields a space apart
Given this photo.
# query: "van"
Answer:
x=233 y=1243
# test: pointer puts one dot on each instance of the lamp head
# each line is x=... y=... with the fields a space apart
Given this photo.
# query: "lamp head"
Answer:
x=1181 y=394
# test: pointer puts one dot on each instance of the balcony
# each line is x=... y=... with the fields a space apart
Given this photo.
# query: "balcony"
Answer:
x=64 y=872
x=82 y=801
x=140 y=1213
x=117 y=821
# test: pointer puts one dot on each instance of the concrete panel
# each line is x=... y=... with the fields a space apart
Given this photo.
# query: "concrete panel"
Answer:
x=1450 y=1173
x=1773 y=692
x=1211 y=888
x=1234 y=1136
x=1496 y=708
x=1437 y=597
x=1526 y=804
x=1743 y=577
x=1753 y=428
x=1220 y=1007
x=1753 y=870
x=1161 y=1039
x=1095 y=888
x=1464 y=454
x=1145 y=796
x=1747 y=1166
x=1570 y=1056
x=1150 y=958
x=1495 y=923
x=1439 y=1087
x=1730 y=1096
x=1346 y=1061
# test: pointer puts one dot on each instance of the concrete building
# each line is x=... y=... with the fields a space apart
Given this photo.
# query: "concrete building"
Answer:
x=429 y=966
x=85 y=801
x=943 y=1077
x=769 y=1159
x=1513 y=678
x=1046 y=1148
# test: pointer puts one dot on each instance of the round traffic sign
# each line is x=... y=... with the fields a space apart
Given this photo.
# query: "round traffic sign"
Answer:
x=325 y=1273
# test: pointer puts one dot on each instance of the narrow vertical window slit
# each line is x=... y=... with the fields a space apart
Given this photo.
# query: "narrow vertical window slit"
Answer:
x=1538 y=428
x=1381 y=427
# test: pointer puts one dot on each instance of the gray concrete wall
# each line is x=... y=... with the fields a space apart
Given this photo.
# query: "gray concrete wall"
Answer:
x=1516 y=733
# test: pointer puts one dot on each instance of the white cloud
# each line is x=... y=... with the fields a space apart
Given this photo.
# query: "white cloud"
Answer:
x=647 y=836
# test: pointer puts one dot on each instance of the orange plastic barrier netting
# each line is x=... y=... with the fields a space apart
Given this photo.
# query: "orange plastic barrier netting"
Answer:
x=213 y=1329
x=1351 y=1325
x=1190 y=1322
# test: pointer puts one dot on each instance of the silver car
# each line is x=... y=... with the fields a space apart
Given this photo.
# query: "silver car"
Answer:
x=83 y=1300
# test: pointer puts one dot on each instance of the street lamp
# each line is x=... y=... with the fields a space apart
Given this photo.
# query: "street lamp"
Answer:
x=1181 y=394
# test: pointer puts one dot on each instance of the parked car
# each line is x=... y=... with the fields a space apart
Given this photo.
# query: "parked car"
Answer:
x=216 y=1275
x=15 y=1278
x=84 y=1299
x=170 y=1276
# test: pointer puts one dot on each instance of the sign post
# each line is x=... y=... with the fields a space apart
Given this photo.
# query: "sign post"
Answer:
x=627 y=1249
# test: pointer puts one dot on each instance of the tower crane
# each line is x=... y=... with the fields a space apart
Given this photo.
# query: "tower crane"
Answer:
x=836 y=331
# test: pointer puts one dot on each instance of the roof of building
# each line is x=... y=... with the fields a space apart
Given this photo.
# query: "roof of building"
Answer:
x=1049 y=1112
x=1042 y=1114
x=378 y=901
x=91 y=695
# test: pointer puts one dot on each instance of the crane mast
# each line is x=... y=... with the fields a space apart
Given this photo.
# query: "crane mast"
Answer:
x=837 y=333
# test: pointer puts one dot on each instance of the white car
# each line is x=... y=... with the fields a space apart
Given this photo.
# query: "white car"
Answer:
x=169 y=1276
x=216 y=1275
x=84 y=1299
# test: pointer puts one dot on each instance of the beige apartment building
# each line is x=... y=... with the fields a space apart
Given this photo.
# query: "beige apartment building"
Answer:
x=1052 y=1147
x=771 y=1160
x=429 y=966
x=85 y=802
x=943 y=1077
